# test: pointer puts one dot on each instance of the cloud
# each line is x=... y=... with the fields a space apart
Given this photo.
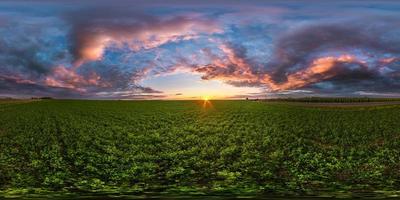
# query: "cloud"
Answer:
x=359 y=48
x=95 y=50
x=232 y=67
x=68 y=78
x=39 y=63
x=95 y=29
x=17 y=86
x=336 y=57
x=138 y=93
x=319 y=70
x=25 y=53
x=297 y=46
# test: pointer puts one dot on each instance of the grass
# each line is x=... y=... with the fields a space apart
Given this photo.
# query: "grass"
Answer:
x=187 y=147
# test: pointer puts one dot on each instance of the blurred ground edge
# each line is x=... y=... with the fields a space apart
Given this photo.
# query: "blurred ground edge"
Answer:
x=37 y=193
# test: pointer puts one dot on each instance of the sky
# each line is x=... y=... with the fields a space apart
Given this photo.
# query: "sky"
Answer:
x=222 y=49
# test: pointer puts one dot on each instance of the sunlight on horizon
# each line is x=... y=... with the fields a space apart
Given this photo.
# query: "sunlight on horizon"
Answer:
x=186 y=86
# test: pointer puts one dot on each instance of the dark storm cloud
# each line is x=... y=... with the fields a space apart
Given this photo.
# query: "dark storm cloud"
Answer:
x=362 y=79
x=371 y=34
x=368 y=41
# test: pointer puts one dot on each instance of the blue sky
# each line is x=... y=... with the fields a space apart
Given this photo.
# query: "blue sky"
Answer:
x=191 y=49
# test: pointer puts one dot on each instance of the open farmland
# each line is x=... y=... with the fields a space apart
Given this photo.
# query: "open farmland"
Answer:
x=233 y=147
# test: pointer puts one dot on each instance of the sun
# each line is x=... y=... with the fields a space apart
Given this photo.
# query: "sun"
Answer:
x=206 y=98
x=206 y=102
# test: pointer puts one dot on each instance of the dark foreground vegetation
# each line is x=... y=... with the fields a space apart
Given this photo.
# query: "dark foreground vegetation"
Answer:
x=188 y=147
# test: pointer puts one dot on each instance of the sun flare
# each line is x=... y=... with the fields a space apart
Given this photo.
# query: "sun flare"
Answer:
x=206 y=98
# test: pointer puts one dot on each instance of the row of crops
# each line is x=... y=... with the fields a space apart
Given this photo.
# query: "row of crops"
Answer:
x=181 y=146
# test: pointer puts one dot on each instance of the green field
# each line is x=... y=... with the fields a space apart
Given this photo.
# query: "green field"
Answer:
x=229 y=147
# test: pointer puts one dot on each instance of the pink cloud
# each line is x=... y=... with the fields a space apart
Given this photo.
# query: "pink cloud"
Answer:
x=231 y=68
x=68 y=78
x=94 y=38
x=17 y=79
x=234 y=69
x=320 y=69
